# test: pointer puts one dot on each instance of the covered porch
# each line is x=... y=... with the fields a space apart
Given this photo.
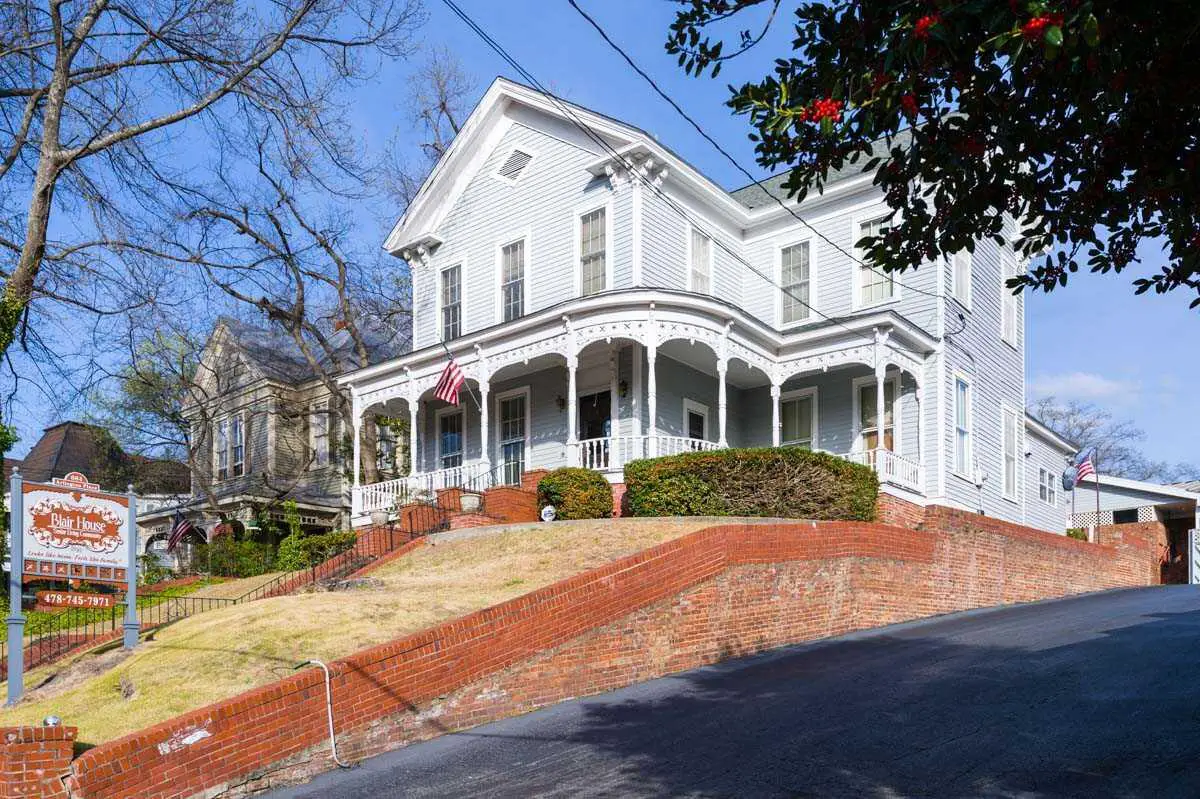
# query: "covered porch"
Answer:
x=601 y=395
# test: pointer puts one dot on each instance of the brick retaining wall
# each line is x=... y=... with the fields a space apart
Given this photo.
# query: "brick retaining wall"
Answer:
x=723 y=591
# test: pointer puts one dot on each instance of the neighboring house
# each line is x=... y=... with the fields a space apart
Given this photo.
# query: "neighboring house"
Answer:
x=76 y=447
x=602 y=316
x=1124 y=501
x=267 y=431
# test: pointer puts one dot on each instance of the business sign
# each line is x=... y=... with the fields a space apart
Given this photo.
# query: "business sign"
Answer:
x=73 y=531
x=74 y=599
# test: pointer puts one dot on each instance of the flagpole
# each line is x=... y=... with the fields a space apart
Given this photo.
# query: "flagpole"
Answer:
x=478 y=404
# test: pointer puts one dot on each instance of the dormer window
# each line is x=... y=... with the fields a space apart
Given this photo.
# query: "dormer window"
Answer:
x=514 y=165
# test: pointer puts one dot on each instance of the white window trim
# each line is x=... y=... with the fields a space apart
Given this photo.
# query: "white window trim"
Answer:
x=856 y=225
x=1046 y=478
x=1015 y=492
x=503 y=395
x=526 y=306
x=712 y=245
x=970 y=455
x=780 y=246
x=439 y=328
x=965 y=303
x=533 y=156
x=801 y=393
x=316 y=410
x=437 y=432
x=856 y=421
x=699 y=408
x=577 y=262
x=216 y=449
x=1009 y=259
x=241 y=419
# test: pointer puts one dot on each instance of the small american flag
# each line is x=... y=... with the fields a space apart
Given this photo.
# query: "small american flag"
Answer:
x=179 y=528
x=449 y=383
x=1086 y=469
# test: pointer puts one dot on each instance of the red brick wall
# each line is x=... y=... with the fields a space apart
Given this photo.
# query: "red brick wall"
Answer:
x=511 y=504
x=530 y=479
x=33 y=761
x=899 y=512
x=722 y=591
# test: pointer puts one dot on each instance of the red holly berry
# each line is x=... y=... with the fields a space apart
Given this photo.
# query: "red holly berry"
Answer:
x=909 y=104
x=1035 y=28
x=924 y=25
x=827 y=108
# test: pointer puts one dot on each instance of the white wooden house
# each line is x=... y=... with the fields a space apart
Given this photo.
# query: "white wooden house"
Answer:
x=614 y=303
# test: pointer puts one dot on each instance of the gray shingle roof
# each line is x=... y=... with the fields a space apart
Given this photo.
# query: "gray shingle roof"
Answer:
x=758 y=195
x=276 y=354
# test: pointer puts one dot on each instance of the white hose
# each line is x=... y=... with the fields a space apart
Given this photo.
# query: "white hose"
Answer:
x=329 y=707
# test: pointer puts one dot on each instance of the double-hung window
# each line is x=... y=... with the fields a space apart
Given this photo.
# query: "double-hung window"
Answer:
x=451 y=302
x=450 y=439
x=874 y=284
x=795 y=281
x=797 y=417
x=960 y=275
x=868 y=419
x=238 y=434
x=221 y=449
x=512 y=280
x=1008 y=300
x=318 y=437
x=592 y=242
x=512 y=436
x=385 y=448
x=962 y=427
x=1011 y=442
x=1047 y=490
x=701 y=275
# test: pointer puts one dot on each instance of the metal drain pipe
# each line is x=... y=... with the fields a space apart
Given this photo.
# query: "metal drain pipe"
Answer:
x=329 y=708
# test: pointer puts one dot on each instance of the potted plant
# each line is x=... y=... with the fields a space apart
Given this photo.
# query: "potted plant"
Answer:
x=470 y=501
x=380 y=518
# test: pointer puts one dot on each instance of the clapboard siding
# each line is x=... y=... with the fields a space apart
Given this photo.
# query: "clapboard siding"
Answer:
x=1040 y=512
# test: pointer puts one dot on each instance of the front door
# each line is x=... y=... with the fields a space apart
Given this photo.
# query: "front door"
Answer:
x=595 y=426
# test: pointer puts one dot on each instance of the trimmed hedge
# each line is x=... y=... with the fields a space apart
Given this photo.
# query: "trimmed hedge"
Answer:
x=576 y=494
x=786 y=482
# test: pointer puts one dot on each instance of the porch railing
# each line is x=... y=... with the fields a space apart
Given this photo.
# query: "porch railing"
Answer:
x=890 y=467
x=400 y=491
x=613 y=452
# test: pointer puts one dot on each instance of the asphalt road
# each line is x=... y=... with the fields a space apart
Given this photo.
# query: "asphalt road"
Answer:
x=1097 y=696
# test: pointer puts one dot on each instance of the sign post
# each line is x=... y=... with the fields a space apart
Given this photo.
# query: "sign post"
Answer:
x=16 y=619
x=132 y=628
x=68 y=529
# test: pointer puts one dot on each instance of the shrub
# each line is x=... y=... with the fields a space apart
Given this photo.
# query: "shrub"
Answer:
x=786 y=482
x=298 y=551
x=1078 y=533
x=227 y=557
x=576 y=494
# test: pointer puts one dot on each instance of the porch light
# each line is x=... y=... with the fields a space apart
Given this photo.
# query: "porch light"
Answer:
x=560 y=402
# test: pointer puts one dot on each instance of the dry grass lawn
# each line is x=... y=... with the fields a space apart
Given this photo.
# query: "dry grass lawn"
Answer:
x=215 y=655
x=232 y=589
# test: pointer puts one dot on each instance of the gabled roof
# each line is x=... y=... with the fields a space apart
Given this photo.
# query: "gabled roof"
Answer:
x=481 y=132
x=1041 y=429
x=276 y=356
x=1169 y=491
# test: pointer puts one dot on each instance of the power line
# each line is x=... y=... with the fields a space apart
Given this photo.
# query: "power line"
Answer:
x=633 y=171
x=671 y=101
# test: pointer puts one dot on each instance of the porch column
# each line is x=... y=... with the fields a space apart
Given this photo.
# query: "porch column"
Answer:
x=572 y=422
x=414 y=406
x=356 y=413
x=722 y=368
x=776 y=390
x=880 y=376
x=484 y=390
x=652 y=400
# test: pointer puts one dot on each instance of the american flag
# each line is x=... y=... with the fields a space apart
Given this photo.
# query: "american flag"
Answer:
x=179 y=528
x=449 y=383
x=1085 y=469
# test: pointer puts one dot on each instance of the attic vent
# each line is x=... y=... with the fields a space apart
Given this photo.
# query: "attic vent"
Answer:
x=514 y=165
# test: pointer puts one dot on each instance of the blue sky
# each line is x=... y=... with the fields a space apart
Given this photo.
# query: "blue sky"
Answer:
x=1094 y=341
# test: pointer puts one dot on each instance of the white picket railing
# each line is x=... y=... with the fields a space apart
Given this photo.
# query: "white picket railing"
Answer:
x=380 y=496
x=890 y=467
x=389 y=494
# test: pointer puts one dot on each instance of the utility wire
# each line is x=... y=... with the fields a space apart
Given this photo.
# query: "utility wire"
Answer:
x=634 y=172
x=755 y=181
x=631 y=168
